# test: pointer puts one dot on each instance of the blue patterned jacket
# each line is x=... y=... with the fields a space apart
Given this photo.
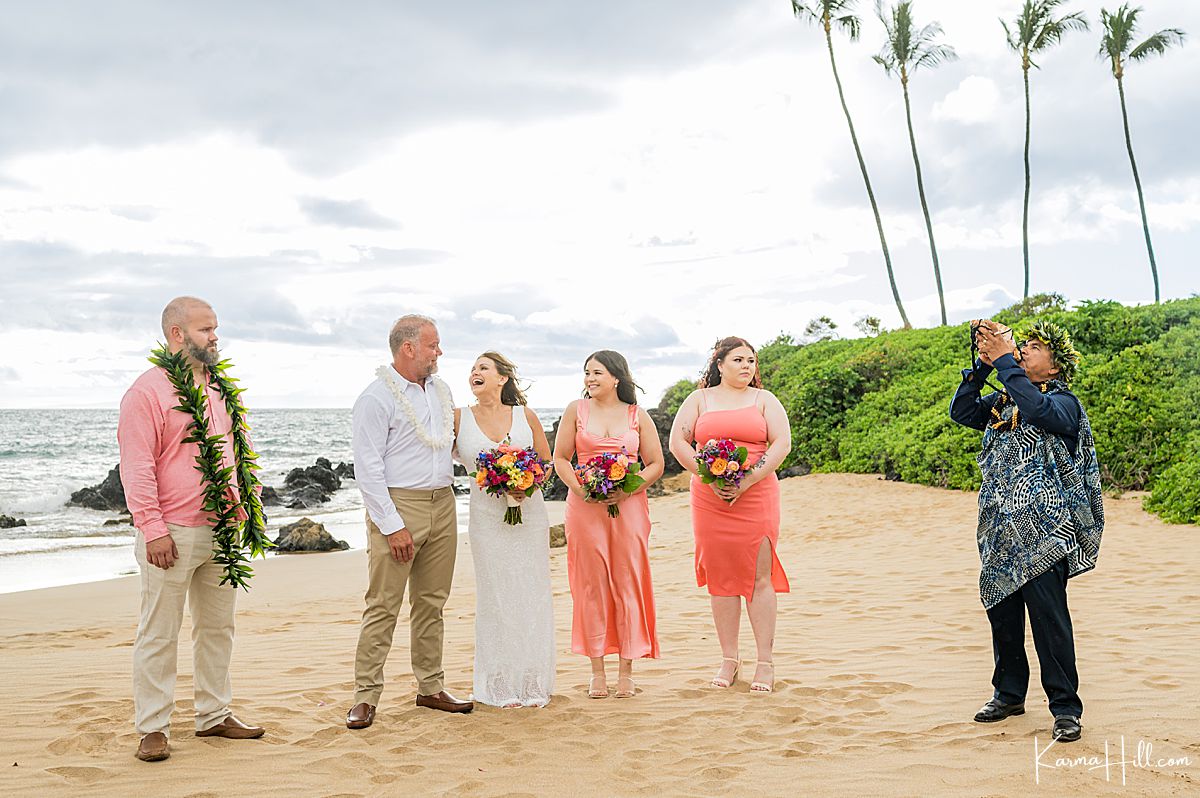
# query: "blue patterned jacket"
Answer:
x=1040 y=500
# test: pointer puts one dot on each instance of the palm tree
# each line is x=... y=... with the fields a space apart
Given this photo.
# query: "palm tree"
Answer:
x=1116 y=44
x=907 y=49
x=827 y=14
x=1034 y=31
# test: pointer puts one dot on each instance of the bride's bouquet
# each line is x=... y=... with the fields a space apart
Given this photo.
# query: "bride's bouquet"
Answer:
x=723 y=461
x=609 y=472
x=509 y=468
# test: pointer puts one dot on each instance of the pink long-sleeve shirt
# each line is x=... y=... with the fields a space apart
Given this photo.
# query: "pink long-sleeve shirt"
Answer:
x=158 y=470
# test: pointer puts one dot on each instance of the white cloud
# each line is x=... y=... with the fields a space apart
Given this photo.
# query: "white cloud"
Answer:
x=493 y=317
x=974 y=102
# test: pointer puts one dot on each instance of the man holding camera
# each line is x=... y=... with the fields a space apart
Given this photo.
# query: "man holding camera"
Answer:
x=1040 y=511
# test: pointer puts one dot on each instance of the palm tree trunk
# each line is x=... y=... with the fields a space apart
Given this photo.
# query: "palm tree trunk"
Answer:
x=887 y=258
x=1137 y=181
x=912 y=140
x=1025 y=215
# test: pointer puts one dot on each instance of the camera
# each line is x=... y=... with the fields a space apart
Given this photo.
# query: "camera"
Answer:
x=1006 y=332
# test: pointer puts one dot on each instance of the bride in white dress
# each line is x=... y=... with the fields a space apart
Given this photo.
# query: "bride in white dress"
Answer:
x=514 y=612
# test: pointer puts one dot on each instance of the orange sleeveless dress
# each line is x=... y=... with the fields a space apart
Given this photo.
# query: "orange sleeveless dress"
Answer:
x=728 y=536
x=608 y=560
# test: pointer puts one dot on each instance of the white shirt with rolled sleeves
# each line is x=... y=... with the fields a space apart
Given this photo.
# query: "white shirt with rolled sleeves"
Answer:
x=387 y=451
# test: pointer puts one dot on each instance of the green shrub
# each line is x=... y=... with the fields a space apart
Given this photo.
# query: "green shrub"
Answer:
x=673 y=397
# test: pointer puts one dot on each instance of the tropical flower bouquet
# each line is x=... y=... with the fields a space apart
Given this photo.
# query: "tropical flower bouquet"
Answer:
x=723 y=461
x=509 y=468
x=609 y=472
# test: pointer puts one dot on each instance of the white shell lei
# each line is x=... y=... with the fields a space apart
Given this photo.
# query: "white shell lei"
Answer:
x=386 y=373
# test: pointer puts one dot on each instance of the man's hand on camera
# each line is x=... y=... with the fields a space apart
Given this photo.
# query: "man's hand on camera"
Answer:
x=993 y=341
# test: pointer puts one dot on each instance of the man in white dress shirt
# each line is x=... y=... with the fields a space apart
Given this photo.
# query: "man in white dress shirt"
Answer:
x=403 y=431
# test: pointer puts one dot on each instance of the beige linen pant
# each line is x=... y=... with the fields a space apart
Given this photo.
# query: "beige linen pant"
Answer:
x=431 y=519
x=195 y=579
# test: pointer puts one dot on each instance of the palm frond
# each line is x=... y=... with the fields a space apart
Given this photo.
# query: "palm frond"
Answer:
x=850 y=24
x=906 y=47
x=1158 y=43
x=935 y=55
x=1118 y=28
x=806 y=12
x=1053 y=30
x=1037 y=28
x=1014 y=42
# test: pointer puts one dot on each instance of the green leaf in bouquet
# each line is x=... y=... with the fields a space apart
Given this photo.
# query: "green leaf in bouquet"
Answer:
x=702 y=467
x=632 y=482
x=740 y=454
x=708 y=479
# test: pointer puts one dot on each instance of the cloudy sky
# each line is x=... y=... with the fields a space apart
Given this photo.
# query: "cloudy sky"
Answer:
x=545 y=178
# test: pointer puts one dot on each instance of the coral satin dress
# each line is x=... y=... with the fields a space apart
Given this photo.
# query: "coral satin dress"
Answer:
x=608 y=559
x=728 y=537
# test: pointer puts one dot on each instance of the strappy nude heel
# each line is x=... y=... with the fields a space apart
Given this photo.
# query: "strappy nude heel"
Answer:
x=764 y=687
x=593 y=692
x=626 y=693
x=724 y=683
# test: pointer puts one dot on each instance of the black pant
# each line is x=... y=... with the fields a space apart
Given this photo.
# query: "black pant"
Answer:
x=1046 y=598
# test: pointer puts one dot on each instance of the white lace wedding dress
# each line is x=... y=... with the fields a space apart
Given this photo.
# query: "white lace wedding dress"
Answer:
x=514 y=611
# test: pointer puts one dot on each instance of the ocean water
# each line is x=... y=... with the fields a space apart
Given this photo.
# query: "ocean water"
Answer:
x=45 y=455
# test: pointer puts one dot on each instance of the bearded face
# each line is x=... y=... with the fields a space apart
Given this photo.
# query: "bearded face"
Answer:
x=206 y=353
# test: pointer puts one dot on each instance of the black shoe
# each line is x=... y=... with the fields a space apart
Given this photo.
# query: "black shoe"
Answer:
x=1067 y=729
x=993 y=711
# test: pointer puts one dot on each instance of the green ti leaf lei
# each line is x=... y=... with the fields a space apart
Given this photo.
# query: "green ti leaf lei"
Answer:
x=231 y=537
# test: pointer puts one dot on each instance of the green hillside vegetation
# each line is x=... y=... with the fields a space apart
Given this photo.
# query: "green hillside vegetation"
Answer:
x=880 y=404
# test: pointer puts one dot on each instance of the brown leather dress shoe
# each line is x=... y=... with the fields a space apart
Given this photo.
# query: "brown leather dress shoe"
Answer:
x=153 y=747
x=233 y=729
x=360 y=716
x=445 y=702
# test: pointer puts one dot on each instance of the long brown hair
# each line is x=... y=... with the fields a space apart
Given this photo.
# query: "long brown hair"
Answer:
x=618 y=366
x=510 y=392
x=712 y=372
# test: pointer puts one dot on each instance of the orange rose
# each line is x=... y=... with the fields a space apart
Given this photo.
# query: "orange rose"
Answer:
x=617 y=472
x=623 y=461
x=734 y=465
x=480 y=478
x=507 y=461
x=719 y=466
x=525 y=481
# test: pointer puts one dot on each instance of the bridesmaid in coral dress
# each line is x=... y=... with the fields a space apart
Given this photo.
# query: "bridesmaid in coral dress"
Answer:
x=737 y=529
x=608 y=563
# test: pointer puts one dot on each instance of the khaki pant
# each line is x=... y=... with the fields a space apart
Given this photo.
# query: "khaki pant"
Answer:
x=431 y=519
x=195 y=579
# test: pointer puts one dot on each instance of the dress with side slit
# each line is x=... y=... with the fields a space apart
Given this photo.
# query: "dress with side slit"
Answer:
x=728 y=537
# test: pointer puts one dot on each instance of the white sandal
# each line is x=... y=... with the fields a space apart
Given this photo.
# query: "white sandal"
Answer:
x=764 y=687
x=717 y=681
x=593 y=692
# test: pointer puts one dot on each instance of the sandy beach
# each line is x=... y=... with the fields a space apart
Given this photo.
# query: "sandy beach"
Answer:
x=883 y=656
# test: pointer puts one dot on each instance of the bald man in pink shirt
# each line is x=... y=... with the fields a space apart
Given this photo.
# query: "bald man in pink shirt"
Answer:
x=174 y=545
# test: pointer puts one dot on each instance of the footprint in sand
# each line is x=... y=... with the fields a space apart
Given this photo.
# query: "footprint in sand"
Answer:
x=1162 y=683
x=82 y=743
x=79 y=775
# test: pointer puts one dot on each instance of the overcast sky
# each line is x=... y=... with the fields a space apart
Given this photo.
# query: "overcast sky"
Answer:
x=545 y=178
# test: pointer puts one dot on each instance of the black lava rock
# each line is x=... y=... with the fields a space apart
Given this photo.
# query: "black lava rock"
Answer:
x=307 y=535
x=109 y=495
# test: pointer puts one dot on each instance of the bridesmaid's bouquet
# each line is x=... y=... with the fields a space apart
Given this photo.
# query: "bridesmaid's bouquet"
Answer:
x=723 y=461
x=609 y=472
x=507 y=468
